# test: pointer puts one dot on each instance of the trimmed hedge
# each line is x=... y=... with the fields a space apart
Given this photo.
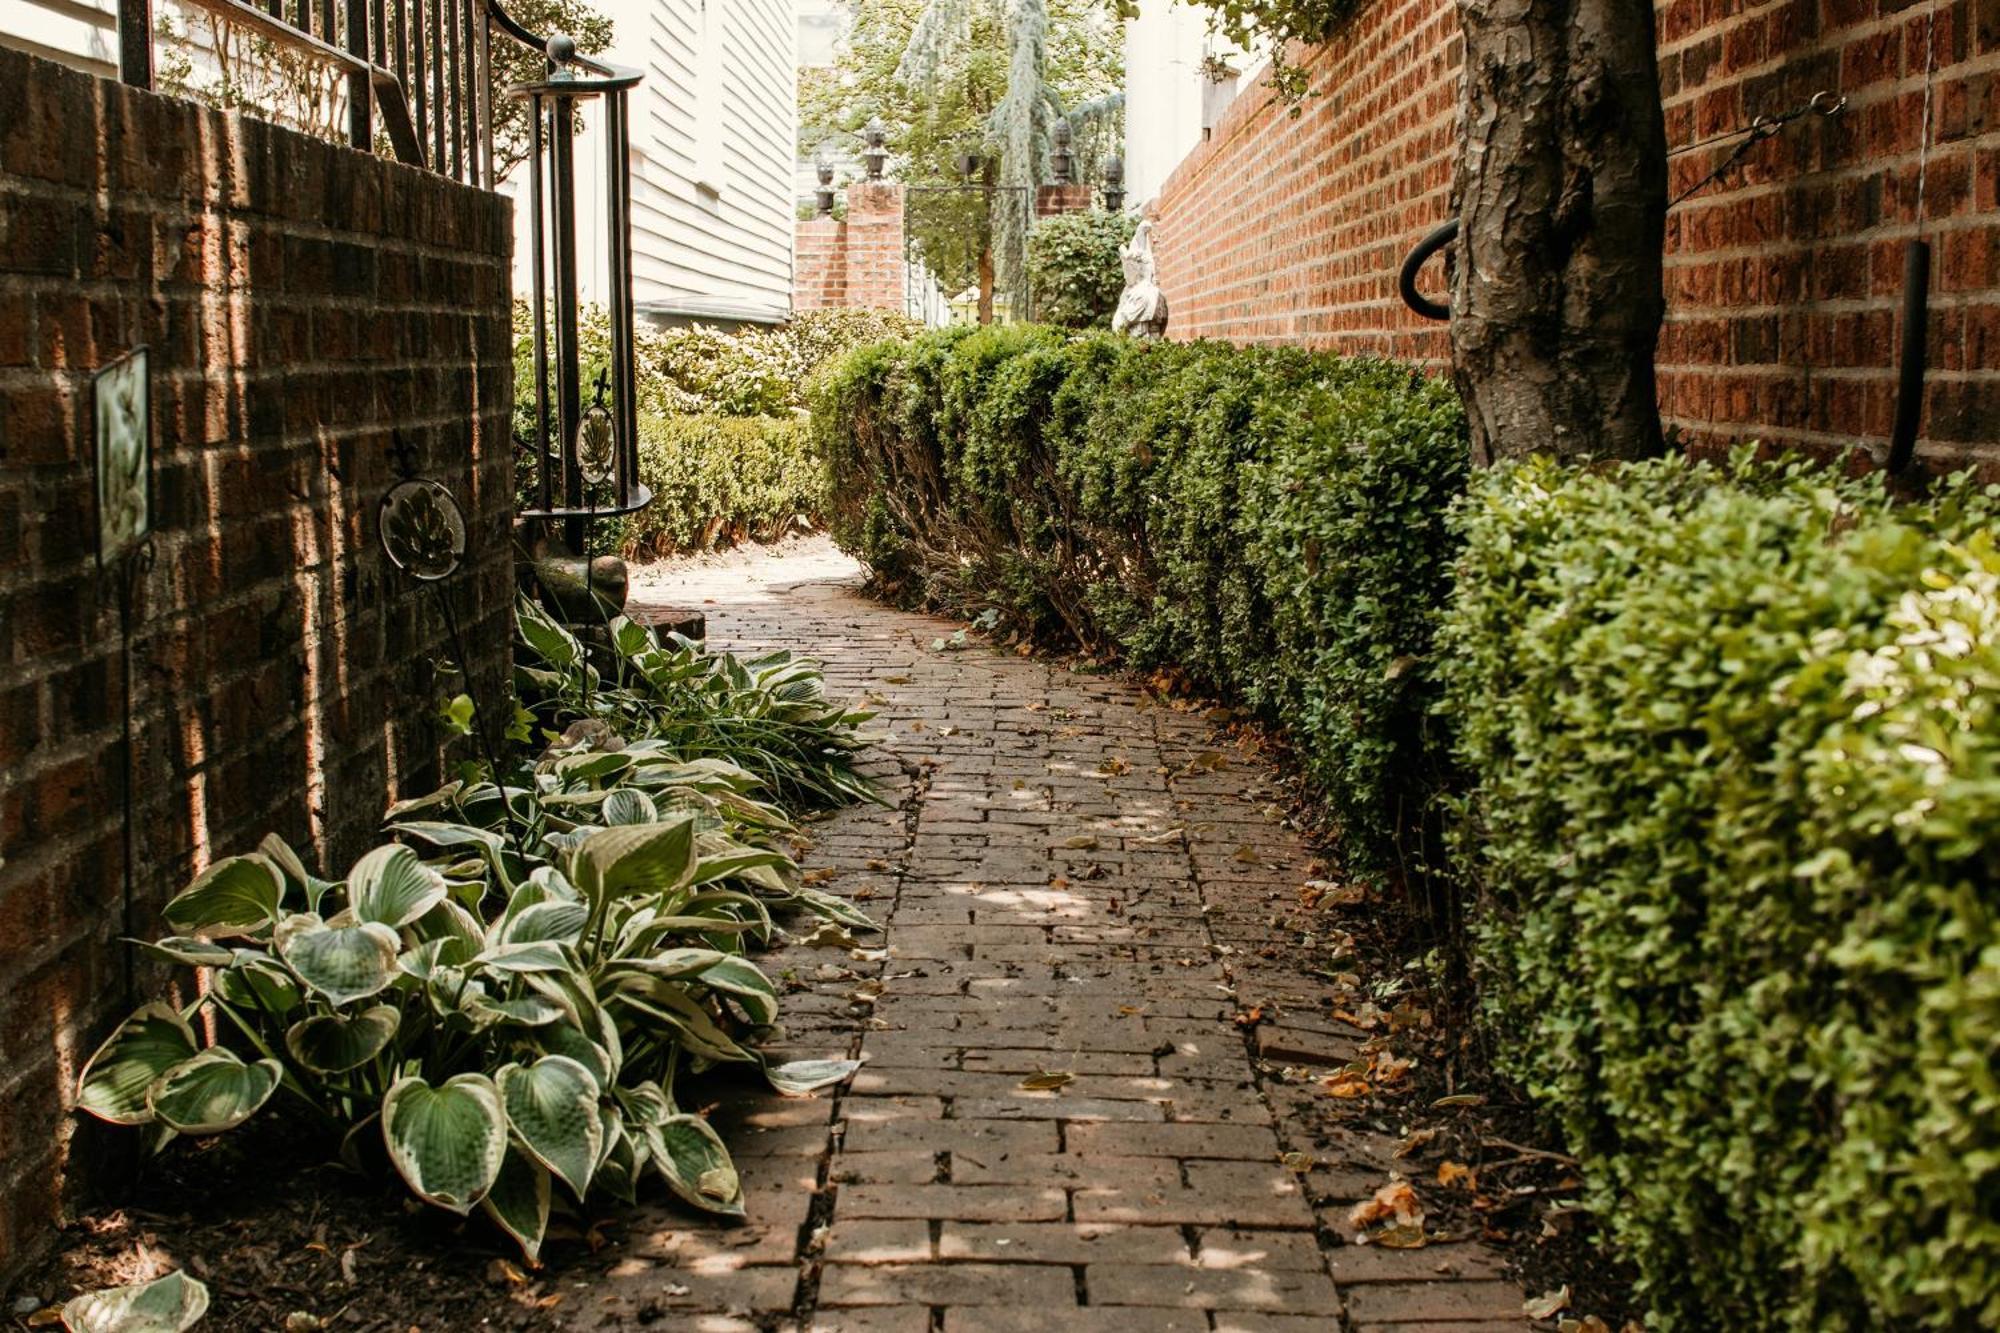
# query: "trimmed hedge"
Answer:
x=720 y=480
x=1737 y=762
x=1267 y=522
x=1075 y=269
x=1720 y=743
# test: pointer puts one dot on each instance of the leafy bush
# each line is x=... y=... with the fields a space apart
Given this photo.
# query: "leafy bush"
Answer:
x=1074 y=269
x=1268 y=523
x=719 y=480
x=1735 y=734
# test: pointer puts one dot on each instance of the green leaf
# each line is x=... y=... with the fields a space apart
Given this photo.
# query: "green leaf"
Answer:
x=447 y=1142
x=238 y=895
x=391 y=886
x=746 y=982
x=529 y=956
x=552 y=1106
x=674 y=963
x=565 y=1039
x=560 y=923
x=115 y=1080
x=628 y=805
x=336 y=1043
x=636 y=857
x=342 y=963
x=259 y=983
x=312 y=889
x=802 y=1077
x=188 y=951
x=170 y=1304
x=213 y=1092
x=691 y=1158
x=519 y=1202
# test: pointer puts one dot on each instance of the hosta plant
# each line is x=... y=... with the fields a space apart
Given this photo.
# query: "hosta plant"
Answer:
x=506 y=1021
x=768 y=715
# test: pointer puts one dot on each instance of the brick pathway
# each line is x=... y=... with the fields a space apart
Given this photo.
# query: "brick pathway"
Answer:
x=1075 y=888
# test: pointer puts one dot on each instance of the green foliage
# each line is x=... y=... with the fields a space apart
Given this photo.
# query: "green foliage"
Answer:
x=769 y=715
x=1074 y=269
x=1737 y=761
x=1266 y=523
x=1278 y=24
x=508 y=1010
x=720 y=480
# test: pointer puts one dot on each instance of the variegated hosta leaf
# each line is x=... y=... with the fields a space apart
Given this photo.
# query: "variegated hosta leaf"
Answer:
x=238 y=895
x=531 y=1011
x=835 y=909
x=592 y=767
x=690 y=1156
x=532 y=956
x=490 y=845
x=565 y=1039
x=336 y=1043
x=433 y=956
x=115 y=1080
x=519 y=1202
x=649 y=857
x=170 y=1304
x=447 y=1142
x=803 y=1077
x=449 y=921
x=675 y=1017
x=628 y=805
x=311 y=888
x=746 y=983
x=670 y=964
x=618 y=1174
x=260 y=984
x=552 y=1106
x=441 y=798
x=342 y=963
x=734 y=860
x=560 y=922
x=188 y=951
x=213 y=1092
x=392 y=886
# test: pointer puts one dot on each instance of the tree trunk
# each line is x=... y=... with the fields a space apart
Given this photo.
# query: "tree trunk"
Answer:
x=986 y=284
x=1562 y=182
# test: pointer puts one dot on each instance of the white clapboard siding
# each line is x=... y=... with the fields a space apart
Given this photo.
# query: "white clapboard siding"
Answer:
x=80 y=33
x=714 y=127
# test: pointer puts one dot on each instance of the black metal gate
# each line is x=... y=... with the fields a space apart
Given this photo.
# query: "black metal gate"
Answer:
x=954 y=268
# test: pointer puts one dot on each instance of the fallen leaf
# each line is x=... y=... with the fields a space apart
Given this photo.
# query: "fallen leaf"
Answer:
x=1452 y=1174
x=1345 y=1086
x=1080 y=843
x=1247 y=855
x=1300 y=1163
x=1548 y=1305
x=1115 y=767
x=1461 y=1099
x=1047 y=1080
x=1400 y=1237
x=1395 y=1200
x=821 y=875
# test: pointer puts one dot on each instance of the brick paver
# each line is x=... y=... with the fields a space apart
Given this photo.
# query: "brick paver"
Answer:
x=1060 y=1124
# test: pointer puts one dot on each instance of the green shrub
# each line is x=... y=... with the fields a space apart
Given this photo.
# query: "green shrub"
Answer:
x=1735 y=735
x=1269 y=523
x=1074 y=269
x=720 y=480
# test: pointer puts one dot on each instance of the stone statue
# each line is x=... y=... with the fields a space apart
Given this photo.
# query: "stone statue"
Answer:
x=1142 y=306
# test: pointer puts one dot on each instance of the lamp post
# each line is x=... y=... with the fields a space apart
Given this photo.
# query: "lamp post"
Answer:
x=874 y=154
x=1114 y=184
x=1060 y=160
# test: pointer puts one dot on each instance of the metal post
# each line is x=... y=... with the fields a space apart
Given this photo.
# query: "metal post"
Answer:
x=360 y=92
x=135 y=42
x=618 y=242
x=537 y=210
x=569 y=396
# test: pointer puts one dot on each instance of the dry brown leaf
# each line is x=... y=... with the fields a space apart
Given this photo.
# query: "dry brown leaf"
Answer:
x=1451 y=1174
x=1247 y=855
x=1082 y=842
x=1548 y=1305
x=1394 y=1201
x=1345 y=1086
x=1047 y=1080
x=821 y=875
x=1300 y=1163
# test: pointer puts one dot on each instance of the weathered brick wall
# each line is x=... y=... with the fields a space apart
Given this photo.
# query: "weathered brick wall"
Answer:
x=856 y=261
x=1783 y=281
x=301 y=303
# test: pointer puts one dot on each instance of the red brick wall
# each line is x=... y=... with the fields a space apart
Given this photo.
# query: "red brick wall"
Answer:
x=300 y=301
x=1783 y=280
x=853 y=262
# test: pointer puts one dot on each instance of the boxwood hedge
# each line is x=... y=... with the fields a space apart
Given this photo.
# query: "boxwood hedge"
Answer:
x=1732 y=731
x=1719 y=741
x=1268 y=523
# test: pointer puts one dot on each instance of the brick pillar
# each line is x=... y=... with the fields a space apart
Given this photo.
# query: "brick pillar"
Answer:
x=1051 y=200
x=856 y=263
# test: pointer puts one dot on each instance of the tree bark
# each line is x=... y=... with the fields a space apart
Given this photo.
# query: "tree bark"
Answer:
x=1562 y=183
x=986 y=284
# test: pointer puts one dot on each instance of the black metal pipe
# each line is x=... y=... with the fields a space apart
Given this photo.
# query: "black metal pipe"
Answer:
x=539 y=286
x=1910 y=370
x=1406 y=280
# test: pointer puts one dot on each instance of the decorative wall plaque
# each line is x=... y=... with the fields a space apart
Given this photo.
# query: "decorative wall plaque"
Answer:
x=121 y=397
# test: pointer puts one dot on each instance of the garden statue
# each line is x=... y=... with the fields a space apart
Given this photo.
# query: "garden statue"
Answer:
x=1142 y=306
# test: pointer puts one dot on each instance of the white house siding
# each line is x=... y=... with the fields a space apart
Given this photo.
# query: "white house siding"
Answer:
x=80 y=33
x=714 y=126
x=1169 y=103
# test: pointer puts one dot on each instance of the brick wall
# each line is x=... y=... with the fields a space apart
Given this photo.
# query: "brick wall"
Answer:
x=1783 y=280
x=1055 y=200
x=300 y=301
x=856 y=261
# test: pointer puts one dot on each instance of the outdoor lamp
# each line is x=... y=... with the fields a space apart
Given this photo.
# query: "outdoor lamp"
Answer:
x=874 y=155
x=596 y=456
x=1060 y=160
x=969 y=165
x=1114 y=183
x=824 y=198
